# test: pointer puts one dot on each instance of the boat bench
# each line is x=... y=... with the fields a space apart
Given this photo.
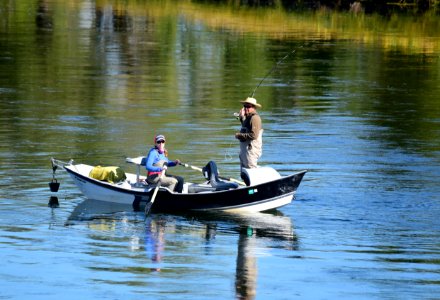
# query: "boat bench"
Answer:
x=138 y=161
x=200 y=188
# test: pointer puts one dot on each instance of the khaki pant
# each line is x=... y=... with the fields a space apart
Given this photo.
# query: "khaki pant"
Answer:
x=167 y=181
x=250 y=152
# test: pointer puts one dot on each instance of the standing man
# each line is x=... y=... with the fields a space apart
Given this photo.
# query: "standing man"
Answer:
x=251 y=134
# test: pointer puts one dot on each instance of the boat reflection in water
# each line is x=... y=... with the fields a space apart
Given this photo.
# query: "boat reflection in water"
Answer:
x=90 y=210
x=251 y=228
x=255 y=231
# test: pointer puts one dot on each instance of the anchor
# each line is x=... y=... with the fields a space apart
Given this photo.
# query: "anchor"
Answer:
x=54 y=185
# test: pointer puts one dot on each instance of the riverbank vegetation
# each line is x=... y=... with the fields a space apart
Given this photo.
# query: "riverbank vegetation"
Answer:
x=404 y=33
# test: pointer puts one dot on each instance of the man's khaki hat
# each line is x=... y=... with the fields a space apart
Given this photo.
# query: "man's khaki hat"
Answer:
x=251 y=101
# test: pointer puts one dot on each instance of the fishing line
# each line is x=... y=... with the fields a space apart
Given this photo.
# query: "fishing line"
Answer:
x=273 y=68
x=228 y=155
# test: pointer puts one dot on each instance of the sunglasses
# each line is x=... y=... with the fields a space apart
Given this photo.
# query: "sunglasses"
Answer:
x=247 y=106
x=160 y=142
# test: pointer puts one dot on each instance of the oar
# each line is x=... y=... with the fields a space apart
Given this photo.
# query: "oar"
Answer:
x=150 y=204
x=224 y=178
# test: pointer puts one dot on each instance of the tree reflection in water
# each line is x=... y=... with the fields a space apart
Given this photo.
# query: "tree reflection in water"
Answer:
x=44 y=16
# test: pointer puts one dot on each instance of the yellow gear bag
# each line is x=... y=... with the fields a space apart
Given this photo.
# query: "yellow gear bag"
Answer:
x=109 y=174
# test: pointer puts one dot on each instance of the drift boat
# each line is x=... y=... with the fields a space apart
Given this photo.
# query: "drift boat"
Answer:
x=263 y=189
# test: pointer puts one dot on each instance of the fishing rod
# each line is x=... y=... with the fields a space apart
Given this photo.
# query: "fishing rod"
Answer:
x=236 y=115
x=273 y=68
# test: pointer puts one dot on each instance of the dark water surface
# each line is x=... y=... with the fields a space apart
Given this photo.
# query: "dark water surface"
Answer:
x=357 y=106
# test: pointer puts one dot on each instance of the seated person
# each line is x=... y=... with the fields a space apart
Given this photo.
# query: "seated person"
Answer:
x=156 y=159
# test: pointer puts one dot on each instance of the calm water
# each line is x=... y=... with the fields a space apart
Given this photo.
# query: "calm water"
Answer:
x=358 y=107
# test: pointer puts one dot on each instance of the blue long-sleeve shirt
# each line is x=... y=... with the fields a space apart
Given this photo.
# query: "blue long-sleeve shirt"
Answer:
x=154 y=157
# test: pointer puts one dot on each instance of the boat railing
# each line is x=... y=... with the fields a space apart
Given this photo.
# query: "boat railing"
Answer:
x=59 y=163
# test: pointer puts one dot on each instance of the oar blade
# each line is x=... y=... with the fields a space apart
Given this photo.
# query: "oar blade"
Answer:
x=148 y=207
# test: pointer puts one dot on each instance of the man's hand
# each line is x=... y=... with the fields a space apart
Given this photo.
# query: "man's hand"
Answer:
x=239 y=137
x=242 y=112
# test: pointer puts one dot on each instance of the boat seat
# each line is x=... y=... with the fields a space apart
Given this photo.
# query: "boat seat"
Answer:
x=138 y=161
x=199 y=188
x=211 y=173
